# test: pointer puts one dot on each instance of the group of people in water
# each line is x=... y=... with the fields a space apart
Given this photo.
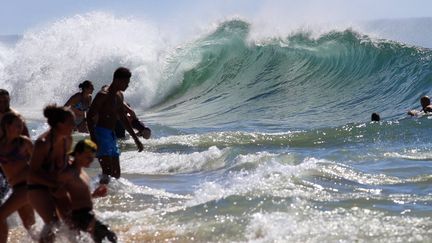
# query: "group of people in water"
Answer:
x=426 y=108
x=47 y=176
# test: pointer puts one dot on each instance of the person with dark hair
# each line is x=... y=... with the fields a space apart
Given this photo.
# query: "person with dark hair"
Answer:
x=80 y=103
x=50 y=156
x=375 y=117
x=5 y=108
x=15 y=152
x=76 y=182
x=426 y=107
x=108 y=107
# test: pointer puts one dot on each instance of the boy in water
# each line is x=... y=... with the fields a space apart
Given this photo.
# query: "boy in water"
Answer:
x=108 y=107
x=76 y=183
x=426 y=107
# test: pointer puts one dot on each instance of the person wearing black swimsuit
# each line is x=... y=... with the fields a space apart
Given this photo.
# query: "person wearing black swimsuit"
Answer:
x=50 y=157
x=15 y=153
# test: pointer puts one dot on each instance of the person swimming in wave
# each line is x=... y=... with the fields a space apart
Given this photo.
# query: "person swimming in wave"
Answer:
x=80 y=103
x=375 y=117
x=15 y=152
x=76 y=182
x=108 y=107
x=426 y=107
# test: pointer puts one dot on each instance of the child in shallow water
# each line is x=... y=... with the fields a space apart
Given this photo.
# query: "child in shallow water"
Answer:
x=76 y=182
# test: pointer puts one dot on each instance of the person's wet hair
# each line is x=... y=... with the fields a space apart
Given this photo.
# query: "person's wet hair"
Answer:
x=4 y=92
x=85 y=145
x=425 y=101
x=122 y=73
x=375 y=117
x=56 y=114
x=6 y=121
x=85 y=85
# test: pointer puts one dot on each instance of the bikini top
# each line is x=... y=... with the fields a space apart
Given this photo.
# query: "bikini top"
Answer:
x=81 y=105
x=14 y=155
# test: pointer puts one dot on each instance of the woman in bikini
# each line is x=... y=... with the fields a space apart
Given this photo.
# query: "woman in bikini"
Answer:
x=76 y=182
x=50 y=157
x=15 y=153
x=80 y=103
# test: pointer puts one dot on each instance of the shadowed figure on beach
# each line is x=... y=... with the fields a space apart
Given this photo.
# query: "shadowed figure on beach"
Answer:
x=107 y=108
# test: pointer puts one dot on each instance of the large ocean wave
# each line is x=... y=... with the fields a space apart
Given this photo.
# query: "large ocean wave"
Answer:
x=223 y=79
x=296 y=82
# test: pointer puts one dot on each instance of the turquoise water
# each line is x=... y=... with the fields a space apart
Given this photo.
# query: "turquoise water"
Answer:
x=253 y=140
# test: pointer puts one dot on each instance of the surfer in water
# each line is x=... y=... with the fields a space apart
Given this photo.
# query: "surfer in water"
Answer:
x=108 y=108
x=426 y=107
x=80 y=103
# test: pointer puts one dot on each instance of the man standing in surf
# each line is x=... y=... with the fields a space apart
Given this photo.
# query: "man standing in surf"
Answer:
x=106 y=108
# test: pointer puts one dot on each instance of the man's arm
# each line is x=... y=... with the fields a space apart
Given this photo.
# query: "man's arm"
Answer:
x=121 y=112
x=25 y=131
x=91 y=114
x=412 y=113
x=128 y=110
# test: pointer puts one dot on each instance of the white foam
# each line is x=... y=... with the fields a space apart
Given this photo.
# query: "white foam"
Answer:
x=48 y=63
x=123 y=186
x=411 y=155
x=167 y=163
x=270 y=178
x=305 y=224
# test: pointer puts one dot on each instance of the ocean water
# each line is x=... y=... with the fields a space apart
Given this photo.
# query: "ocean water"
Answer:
x=254 y=139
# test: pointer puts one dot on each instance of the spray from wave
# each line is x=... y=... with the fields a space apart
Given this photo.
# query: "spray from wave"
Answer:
x=222 y=79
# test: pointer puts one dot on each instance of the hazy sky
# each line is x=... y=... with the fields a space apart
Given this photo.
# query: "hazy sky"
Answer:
x=17 y=16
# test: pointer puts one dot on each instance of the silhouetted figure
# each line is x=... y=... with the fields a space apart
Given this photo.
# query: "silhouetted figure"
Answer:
x=375 y=117
x=108 y=106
